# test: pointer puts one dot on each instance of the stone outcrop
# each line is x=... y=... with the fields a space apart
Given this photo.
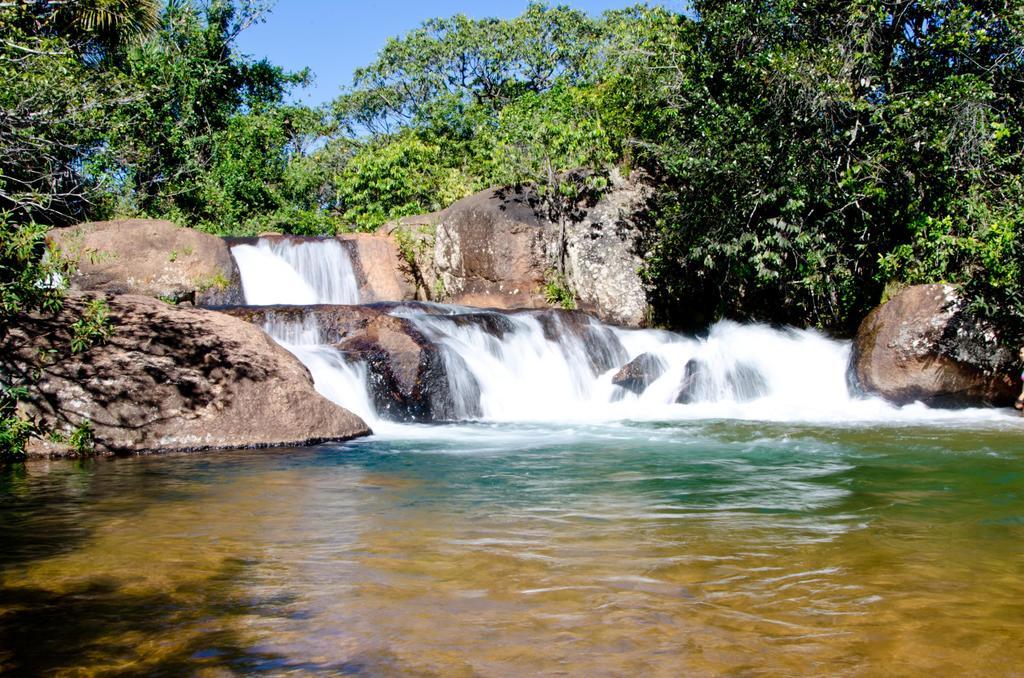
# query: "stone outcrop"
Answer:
x=490 y=250
x=172 y=378
x=922 y=345
x=152 y=258
x=378 y=266
x=603 y=264
x=639 y=373
x=496 y=249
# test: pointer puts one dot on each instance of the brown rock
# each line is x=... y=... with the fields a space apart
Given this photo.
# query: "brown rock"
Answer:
x=922 y=345
x=415 y=237
x=490 y=251
x=639 y=373
x=173 y=378
x=378 y=267
x=153 y=258
x=409 y=373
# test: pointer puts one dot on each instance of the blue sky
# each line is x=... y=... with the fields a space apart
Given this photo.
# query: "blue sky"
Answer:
x=334 y=37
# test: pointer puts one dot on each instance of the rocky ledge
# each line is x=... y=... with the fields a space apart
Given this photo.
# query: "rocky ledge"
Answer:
x=152 y=258
x=170 y=378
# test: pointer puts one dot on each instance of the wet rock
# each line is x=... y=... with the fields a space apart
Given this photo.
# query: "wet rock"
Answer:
x=409 y=374
x=923 y=345
x=575 y=329
x=746 y=383
x=152 y=258
x=695 y=376
x=496 y=325
x=639 y=373
x=171 y=378
x=740 y=383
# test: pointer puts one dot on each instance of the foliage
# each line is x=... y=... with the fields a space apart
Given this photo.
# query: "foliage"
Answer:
x=798 y=144
x=206 y=136
x=92 y=328
x=448 y=72
x=557 y=291
x=32 y=275
x=396 y=177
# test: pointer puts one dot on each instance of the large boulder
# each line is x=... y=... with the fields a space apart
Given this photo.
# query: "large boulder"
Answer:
x=603 y=264
x=923 y=345
x=171 y=378
x=152 y=258
x=490 y=250
x=409 y=373
x=497 y=249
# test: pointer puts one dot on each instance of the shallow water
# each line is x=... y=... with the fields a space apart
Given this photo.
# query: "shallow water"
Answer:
x=682 y=548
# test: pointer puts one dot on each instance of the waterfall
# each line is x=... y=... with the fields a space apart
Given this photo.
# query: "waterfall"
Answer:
x=521 y=369
x=280 y=271
x=333 y=377
x=544 y=365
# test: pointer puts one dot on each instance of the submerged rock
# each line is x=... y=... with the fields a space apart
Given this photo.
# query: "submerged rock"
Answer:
x=409 y=374
x=923 y=345
x=152 y=258
x=741 y=383
x=598 y=342
x=639 y=373
x=172 y=378
x=694 y=375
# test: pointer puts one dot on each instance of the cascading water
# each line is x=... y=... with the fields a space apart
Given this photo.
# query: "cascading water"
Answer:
x=334 y=377
x=279 y=271
x=556 y=366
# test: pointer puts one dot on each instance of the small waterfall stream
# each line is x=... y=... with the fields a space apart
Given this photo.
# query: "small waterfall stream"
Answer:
x=557 y=366
x=280 y=271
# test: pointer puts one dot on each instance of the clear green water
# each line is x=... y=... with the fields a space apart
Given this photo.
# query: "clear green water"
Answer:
x=696 y=548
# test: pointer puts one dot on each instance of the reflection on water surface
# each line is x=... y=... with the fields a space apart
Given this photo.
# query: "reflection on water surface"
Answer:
x=646 y=549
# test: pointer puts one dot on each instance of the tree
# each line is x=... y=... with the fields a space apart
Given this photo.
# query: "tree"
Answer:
x=437 y=74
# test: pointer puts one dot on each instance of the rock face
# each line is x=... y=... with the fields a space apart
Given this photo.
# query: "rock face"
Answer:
x=495 y=249
x=922 y=345
x=378 y=267
x=639 y=373
x=490 y=251
x=603 y=265
x=174 y=378
x=151 y=258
